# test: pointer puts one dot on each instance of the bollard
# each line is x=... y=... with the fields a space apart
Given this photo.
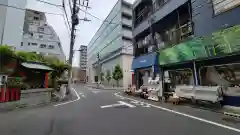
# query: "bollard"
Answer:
x=2 y=95
x=7 y=95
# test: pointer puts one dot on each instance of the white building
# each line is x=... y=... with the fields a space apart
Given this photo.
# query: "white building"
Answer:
x=83 y=57
x=113 y=43
x=27 y=30
x=40 y=37
x=11 y=22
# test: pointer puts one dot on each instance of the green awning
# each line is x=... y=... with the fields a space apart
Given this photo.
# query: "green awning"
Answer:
x=36 y=66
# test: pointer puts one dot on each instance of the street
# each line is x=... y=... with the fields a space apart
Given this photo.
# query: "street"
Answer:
x=108 y=112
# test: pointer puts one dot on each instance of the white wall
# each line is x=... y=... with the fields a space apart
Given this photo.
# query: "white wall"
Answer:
x=125 y=62
x=14 y=23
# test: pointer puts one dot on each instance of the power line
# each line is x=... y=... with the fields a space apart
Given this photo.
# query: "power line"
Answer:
x=26 y=9
x=62 y=7
x=97 y=17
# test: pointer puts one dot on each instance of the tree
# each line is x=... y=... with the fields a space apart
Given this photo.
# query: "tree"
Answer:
x=117 y=74
x=108 y=76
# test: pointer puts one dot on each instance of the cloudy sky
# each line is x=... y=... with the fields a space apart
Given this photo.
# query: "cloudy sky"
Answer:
x=86 y=30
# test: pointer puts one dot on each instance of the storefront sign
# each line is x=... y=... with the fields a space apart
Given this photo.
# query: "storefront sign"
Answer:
x=218 y=44
x=145 y=61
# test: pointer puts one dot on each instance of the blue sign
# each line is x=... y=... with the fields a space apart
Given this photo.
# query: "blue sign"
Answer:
x=145 y=61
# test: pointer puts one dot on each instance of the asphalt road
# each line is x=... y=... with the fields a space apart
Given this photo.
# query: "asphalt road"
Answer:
x=106 y=112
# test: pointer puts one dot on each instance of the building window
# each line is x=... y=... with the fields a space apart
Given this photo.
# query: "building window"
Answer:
x=31 y=34
x=35 y=18
x=40 y=29
x=50 y=47
x=40 y=36
x=28 y=44
x=21 y=43
x=221 y=6
x=43 y=46
x=34 y=44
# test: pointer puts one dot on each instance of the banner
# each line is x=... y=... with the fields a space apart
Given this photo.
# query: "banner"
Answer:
x=220 y=43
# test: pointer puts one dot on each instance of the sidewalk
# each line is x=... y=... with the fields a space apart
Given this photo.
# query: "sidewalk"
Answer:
x=209 y=107
x=105 y=87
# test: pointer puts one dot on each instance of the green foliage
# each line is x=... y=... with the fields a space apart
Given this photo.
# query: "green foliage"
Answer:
x=30 y=56
x=102 y=76
x=117 y=73
x=6 y=57
x=108 y=76
x=6 y=51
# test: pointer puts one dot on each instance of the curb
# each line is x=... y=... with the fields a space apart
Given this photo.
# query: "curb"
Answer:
x=232 y=115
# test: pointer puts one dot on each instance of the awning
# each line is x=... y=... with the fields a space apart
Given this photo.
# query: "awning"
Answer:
x=144 y=61
x=36 y=66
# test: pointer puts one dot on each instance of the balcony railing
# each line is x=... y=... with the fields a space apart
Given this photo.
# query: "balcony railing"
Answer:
x=143 y=15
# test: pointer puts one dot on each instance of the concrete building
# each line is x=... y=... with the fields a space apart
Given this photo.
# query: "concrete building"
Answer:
x=113 y=43
x=83 y=57
x=11 y=23
x=166 y=35
x=27 y=30
x=40 y=37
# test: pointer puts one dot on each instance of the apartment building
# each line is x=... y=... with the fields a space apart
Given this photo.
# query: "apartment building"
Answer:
x=183 y=37
x=40 y=37
x=113 y=43
x=27 y=30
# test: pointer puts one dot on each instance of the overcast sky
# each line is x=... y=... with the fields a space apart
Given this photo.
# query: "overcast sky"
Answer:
x=86 y=30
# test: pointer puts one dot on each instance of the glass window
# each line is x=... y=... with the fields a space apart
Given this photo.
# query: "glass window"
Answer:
x=34 y=44
x=227 y=75
x=220 y=6
x=43 y=46
x=51 y=47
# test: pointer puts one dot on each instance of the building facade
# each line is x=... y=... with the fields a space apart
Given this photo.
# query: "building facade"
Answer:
x=11 y=23
x=184 y=37
x=113 y=43
x=40 y=37
x=83 y=57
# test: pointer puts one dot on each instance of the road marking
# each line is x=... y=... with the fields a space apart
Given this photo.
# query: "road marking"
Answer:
x=120 y=103
x=78 y=98
x=96 y=92
x=186 y=115
x=126 y=104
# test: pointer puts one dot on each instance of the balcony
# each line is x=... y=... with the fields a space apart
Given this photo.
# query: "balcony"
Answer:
x=160 y=10
x=164 y=39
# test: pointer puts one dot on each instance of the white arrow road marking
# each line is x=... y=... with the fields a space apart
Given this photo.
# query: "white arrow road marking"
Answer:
x=120 y=103
x=186 y=115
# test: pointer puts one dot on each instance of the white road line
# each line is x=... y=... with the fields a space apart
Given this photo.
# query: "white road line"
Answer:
x=113 y=105
x=78 y=98
x=187 y=115
x=126 y=104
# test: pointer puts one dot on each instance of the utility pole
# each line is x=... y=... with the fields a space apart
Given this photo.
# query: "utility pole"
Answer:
x=75 y=22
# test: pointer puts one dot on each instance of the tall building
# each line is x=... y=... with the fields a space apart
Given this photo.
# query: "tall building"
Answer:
x=40 y=37
x=83 y=57
x=113 y=43
x=11 y=23
x=183 y=38
x=27 y=30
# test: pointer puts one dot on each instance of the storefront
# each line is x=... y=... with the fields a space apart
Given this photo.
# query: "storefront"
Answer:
x=146 y=65
x=207 y=61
